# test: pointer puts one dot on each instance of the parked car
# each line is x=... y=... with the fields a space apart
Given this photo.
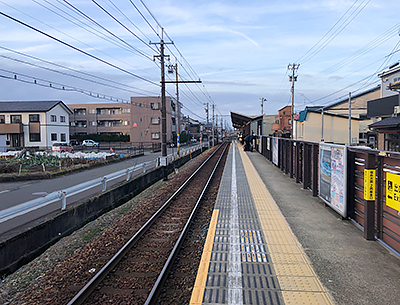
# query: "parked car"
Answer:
x=62 y=147
x=90 y=143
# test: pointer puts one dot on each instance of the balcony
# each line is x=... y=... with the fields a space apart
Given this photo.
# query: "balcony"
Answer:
x=11 y=128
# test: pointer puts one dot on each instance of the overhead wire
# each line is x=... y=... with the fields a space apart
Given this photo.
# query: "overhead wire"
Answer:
x=303 y=59
x=128 y=87
x=78 y=49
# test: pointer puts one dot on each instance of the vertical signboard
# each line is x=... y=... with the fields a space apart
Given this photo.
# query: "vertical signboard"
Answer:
x=393 y=191
x=275 y=148
x=333 y=176
x=369 y=184
x=268 y=143
x=260 y=144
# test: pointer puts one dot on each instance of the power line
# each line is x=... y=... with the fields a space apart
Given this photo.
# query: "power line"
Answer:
x=76 y=71
x=77 y=49
x=319 y=47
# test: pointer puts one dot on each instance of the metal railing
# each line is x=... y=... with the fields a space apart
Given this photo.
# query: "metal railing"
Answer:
x=62 y=195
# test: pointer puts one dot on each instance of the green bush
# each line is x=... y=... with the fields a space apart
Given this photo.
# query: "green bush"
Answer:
x=102 y=137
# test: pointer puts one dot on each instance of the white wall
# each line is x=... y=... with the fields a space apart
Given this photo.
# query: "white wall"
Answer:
x=57 y=127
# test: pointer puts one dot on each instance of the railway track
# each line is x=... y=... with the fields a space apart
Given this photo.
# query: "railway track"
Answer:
x=136 y=274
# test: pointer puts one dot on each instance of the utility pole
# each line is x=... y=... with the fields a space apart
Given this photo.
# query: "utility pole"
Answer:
x=176 y=81
x=293 y=78
x=262 y=105
x=171 y=68
x=206 y=109
x=213 y=141
x=216 y=127
x=163 y=103
x=322 y=124
x=349 y=118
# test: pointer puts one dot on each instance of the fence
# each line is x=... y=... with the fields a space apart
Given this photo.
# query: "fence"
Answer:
x=360 y=183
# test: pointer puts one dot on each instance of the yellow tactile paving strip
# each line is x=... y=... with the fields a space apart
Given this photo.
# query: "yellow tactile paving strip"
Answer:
x=201 y=278
x=297 y=279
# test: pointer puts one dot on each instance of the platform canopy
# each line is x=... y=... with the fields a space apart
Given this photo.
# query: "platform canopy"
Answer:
x=240 y=120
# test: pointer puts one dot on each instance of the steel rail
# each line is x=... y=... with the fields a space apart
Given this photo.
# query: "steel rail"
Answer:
x=84 y=293
x=155 y=291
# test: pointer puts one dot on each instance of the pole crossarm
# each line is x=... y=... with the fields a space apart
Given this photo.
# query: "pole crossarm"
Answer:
x=183 y=82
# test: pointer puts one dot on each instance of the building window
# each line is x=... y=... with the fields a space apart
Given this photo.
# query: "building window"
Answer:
x=155 y=106
x=80 y=111
x=155 y=135
x=34 y=118
x=2 y=119
x=141 y=134
x=173 y=121
x=92 y=123
x=141 y=120
x=63 y=137
x=81 y=124
x=53 y=118
x=34 y=137
x=54 y=137
x=62 y=119
x=127 y=123
x=126 y=110
x=155 y=121
x=92 y=111
x=16 y=119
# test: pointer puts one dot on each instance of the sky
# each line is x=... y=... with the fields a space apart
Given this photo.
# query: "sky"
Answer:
x=82 y=51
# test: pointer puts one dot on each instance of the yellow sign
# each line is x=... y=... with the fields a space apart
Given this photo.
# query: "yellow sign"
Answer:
x=369 y=184
x=393 y=191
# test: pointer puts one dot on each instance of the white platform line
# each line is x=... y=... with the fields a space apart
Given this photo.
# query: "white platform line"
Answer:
x=235 y=287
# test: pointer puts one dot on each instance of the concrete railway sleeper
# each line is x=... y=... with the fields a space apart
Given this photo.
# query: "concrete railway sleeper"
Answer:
x=138 y=270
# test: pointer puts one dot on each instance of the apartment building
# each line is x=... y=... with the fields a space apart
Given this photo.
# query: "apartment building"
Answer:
x=283 y=122
x=140 y=119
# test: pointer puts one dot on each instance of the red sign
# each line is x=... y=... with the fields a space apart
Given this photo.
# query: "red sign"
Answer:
x=134 y=124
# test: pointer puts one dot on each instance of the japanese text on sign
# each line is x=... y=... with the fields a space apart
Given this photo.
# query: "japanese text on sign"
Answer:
x=369 y=184
x=393 y=191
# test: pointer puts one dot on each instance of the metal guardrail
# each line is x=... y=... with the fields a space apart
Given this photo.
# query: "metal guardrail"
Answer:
x=62 y=195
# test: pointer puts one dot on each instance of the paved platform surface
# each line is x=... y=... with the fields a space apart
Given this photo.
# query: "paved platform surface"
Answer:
x=271 y=242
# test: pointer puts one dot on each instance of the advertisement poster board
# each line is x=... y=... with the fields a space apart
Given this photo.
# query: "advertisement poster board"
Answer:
x=332 y=176
x=393 y=191
x=275 y=147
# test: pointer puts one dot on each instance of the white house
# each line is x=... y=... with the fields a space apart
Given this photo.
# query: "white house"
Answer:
x=34 y=123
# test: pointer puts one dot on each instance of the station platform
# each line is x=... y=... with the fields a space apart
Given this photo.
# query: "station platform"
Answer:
x=271 y=242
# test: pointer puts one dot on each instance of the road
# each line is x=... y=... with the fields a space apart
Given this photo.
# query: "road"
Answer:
x=14 y=193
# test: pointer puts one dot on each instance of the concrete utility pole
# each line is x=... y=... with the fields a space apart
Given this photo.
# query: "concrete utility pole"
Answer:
x=213 y=141
x=262 y=105
x=171 y=68
x=349 y=118
x=322 y=124
x=206 y=109
x=293 y=78
x=163 y=102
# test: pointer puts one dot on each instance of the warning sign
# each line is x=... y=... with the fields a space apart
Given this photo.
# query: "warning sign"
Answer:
x=369 y=184
x=393 y=191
